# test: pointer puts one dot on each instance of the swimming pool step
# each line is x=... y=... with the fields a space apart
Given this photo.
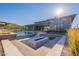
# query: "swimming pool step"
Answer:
x=57 y=49
x=23 y=48
x=42 y=51
x=10 y=49
x=28 y=51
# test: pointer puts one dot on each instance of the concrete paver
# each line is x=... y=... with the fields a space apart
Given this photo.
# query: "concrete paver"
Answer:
x=10 y=49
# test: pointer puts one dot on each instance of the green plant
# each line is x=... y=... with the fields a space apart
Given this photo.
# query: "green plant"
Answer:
x=12 y=27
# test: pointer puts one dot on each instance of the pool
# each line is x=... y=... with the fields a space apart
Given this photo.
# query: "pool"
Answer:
x=26 y=34
x=29 y=34
x=33 y=39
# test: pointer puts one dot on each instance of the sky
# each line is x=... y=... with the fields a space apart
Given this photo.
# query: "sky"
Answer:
x=29 y=13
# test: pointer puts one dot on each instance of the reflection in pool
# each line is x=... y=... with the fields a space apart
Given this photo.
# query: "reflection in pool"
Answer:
x=30 y=34
x=26 y=34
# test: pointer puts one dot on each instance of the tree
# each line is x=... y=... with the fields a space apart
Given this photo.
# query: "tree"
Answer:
x=12 y=27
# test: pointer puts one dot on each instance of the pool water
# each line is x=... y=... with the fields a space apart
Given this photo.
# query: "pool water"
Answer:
x=26 y=33
x=30 y=34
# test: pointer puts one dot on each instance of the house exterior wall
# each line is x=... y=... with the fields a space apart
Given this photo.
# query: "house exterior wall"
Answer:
x=54 y=24
x=61 y=24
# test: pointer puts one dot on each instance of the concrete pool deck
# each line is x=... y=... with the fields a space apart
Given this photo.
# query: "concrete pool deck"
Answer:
x=45 y=50
x=51 y=48
x=28 y=51
x=10 y=49
x=57 y=49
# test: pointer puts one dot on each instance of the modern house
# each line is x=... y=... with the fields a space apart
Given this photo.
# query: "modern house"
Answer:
x=54 y=24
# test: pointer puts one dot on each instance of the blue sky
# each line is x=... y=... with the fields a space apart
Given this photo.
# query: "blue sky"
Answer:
x=28 y=13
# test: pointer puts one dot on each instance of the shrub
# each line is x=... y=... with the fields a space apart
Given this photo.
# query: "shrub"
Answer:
x=73 y=40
